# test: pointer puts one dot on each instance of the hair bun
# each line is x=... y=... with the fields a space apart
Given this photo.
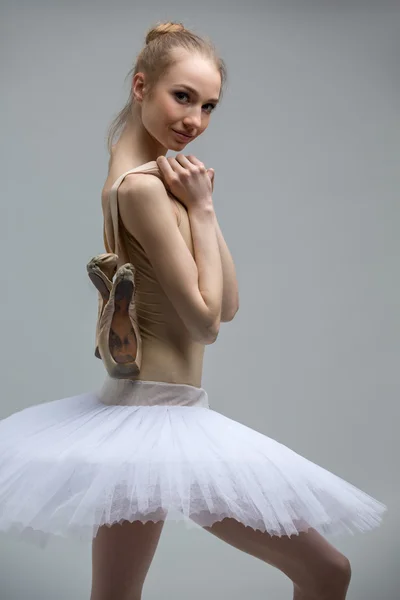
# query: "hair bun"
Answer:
x=162 y=28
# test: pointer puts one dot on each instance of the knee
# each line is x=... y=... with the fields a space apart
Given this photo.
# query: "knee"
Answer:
x=334 y=579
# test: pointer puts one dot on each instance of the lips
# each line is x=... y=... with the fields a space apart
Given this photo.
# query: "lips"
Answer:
x=189 y=137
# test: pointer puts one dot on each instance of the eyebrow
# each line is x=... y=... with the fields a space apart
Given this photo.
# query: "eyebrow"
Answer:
x=216 y=100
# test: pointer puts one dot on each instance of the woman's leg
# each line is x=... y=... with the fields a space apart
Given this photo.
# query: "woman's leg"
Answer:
x=317 y=569
x=121 y=558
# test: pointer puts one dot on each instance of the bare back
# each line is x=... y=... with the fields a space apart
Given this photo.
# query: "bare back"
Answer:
x=168 y=351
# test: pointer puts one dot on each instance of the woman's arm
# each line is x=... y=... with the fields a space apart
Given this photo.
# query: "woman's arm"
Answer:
x=193 y=284
x=230 y=295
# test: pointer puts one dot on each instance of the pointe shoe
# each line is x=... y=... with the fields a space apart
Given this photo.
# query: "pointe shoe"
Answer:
x=101 y=270
x=120 y=342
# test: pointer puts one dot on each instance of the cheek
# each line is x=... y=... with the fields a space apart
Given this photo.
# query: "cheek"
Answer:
x=204 y=125
x=172 y=110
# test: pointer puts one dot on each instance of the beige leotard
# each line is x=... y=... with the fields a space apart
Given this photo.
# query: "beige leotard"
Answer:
x=168 y=352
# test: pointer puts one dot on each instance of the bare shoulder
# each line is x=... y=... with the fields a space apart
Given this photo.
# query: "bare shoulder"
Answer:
x=146 y=193
x=137 y=184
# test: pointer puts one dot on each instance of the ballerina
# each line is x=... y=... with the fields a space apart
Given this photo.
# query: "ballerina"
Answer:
x=111 y=466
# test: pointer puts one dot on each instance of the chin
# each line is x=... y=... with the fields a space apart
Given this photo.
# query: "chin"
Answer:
x=177 y=145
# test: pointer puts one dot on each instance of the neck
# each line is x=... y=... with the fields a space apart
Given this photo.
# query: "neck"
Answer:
x=135 y=145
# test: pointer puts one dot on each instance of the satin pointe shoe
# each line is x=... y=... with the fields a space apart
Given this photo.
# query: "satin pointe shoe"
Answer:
x=101 y=270
x=120 y=342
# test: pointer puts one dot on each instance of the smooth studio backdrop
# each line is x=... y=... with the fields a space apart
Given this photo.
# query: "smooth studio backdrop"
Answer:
x=305 y=147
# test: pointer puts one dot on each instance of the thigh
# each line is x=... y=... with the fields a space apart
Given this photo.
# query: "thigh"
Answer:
x=308 y=559
x=121 y=558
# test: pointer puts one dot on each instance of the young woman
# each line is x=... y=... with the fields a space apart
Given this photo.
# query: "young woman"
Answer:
x=112 y=466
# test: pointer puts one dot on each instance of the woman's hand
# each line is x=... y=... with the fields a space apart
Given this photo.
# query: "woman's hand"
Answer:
x=188 y=179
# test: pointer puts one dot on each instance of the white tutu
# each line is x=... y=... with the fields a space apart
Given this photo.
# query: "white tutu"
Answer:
x=143 y=450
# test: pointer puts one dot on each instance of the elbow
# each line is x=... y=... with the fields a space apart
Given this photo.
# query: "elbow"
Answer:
x=211 y=334
x=213 y=331
x=211 y=338
x=229 y=315
x=205 y=336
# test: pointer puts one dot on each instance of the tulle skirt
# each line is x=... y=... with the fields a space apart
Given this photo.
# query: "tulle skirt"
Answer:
x=151 y=451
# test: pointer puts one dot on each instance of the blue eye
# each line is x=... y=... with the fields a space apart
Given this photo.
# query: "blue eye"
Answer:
x=187 y=95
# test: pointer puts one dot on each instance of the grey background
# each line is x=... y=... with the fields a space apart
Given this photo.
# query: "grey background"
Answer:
x=305 y=146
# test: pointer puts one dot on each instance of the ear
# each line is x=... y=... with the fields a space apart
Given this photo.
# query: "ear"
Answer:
x=138 y=85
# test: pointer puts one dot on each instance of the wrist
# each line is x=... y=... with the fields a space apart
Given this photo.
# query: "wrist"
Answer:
x=202 y=206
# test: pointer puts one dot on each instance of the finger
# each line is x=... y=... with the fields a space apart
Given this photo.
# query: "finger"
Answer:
x=166 y=168
x=178 y=163
x=165 y=164
x=182 y=160
x=194 y=160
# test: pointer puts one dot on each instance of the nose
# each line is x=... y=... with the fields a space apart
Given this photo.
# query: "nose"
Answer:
x=193 y=122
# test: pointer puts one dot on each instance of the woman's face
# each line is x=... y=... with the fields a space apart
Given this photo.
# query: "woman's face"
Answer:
x=173 y=107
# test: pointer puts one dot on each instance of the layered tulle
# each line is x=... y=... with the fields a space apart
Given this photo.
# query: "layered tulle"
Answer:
x=71 y=465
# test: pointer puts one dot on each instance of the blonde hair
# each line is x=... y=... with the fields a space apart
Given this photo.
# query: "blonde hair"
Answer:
x=156 y=58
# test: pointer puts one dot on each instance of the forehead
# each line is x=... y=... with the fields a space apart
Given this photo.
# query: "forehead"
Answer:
x=197 y=72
